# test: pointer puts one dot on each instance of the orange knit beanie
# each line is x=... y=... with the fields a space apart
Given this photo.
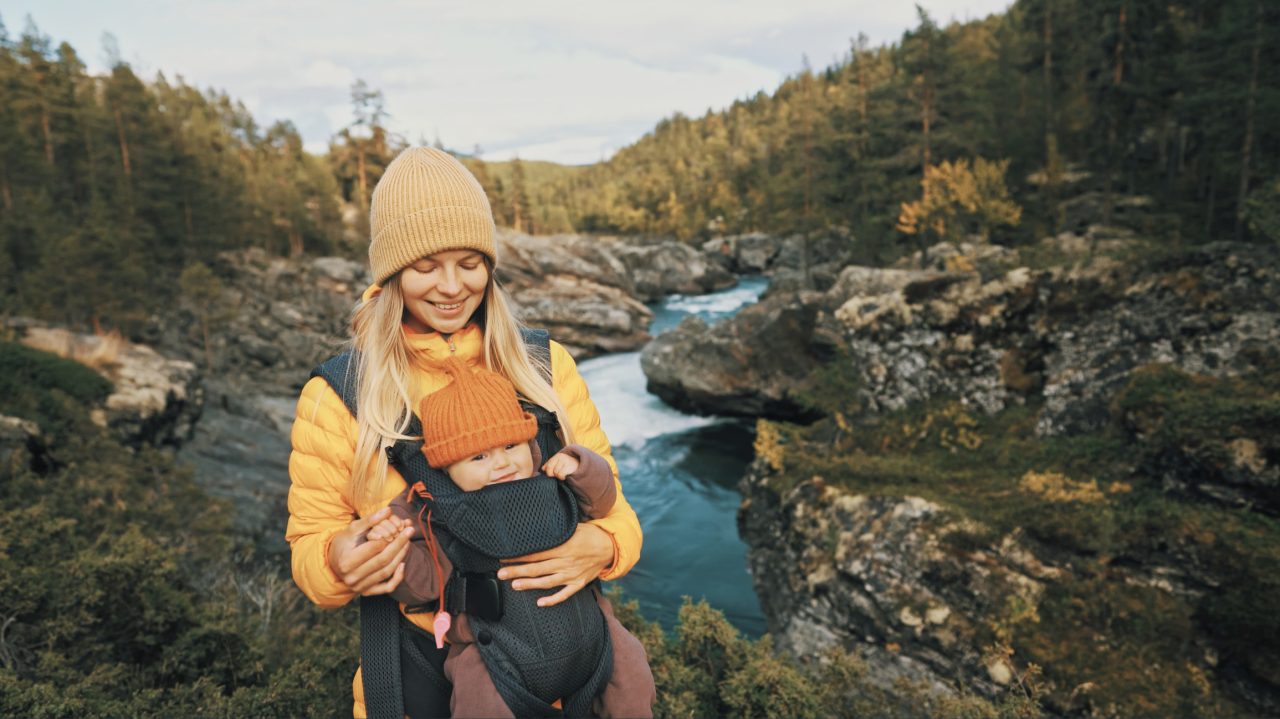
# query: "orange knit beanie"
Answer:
x=477 y=411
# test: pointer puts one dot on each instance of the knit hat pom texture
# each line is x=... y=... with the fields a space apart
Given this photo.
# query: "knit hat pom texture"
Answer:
x=478 y=411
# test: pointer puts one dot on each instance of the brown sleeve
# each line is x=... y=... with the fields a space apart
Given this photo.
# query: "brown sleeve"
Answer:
x=420 y=583
x=593 y=483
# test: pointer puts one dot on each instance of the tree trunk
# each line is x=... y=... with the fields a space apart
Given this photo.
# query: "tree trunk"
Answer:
x=1251 y=103
x=1048 y=71
x=208 y=349
x=1208 y=212
x=1051 y=157
x=186 y=216
x=124 y=144
x=1118 y=71
x=864 y=131
x=295 y=242
x=88 y=152
x=6 y=194
x=48 y=134
x=361 y=182
x=1117 y=75
x=927 y=109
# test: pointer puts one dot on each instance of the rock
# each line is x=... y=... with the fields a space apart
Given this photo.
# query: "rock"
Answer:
x=874 y=576
x=908 y=335
x=589 y=291
x=276 y=319
x=749 y=254
x=1000 y=672
x=524 y=260
x=1068 y=337
x=1131 y=211
x=21 y=444
x=240 y=453
x=156 y=400
x=586 y=317
x=671 y=268
x=1194 y=312
x=341 y=270
x=963 y=257
x=279 y=317
x=752 y=365
x=810 y=262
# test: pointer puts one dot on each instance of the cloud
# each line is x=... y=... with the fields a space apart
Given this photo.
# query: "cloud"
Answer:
x=554 y=79
x=326 y=73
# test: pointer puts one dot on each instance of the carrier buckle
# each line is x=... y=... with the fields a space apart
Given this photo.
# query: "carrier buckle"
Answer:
x=477 y=594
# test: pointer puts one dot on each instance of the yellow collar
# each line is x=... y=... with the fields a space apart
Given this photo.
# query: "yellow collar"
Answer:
x=433 y=348
x=467 y=344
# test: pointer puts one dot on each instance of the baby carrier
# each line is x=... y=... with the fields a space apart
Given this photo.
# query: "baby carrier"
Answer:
x=533 y=654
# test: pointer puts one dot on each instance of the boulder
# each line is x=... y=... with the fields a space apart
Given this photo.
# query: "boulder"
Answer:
x=577 y=288
x=752 y=365
x=524 y=260
x=810 y=261
x=908 y=335
x=21 y=444
x=276 y=318
x=749 y=254
x=586 y=317
x=873 y=575
x=240 y=453
x=156 y=401
x=671 y=268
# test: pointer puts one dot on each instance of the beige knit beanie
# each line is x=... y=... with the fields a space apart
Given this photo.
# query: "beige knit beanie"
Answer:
x=426 y=202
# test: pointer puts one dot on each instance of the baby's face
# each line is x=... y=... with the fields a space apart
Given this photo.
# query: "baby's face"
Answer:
x=497 y=464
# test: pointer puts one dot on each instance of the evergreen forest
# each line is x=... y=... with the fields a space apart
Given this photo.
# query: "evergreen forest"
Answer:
x=123 y=590
x=111 y=185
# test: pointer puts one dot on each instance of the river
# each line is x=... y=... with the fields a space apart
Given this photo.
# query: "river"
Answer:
x=680 y=473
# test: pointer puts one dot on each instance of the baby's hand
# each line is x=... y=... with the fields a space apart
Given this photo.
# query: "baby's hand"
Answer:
x=560 y=466
x=387 y=529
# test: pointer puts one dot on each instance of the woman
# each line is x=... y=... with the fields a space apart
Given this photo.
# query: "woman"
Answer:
x=432 y=256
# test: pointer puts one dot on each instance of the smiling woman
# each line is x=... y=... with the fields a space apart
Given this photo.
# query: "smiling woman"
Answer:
x=435 y=304
x=442 y=291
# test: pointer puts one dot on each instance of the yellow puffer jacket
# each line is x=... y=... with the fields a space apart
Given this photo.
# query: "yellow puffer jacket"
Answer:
x=324 y=438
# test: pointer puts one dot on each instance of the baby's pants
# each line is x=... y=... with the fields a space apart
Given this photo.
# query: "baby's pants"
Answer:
x=630 y=692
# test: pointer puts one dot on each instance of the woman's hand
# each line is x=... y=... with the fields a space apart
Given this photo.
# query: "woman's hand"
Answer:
x=571 y=565
x=369 y=568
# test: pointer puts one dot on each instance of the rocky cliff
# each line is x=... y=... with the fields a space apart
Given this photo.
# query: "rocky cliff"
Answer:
x=992 y=337
x=1059 y=480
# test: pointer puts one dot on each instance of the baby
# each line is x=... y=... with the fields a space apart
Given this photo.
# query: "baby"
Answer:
x=476 y=430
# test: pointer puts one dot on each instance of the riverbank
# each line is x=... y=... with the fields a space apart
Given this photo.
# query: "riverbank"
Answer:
x=1061 y=475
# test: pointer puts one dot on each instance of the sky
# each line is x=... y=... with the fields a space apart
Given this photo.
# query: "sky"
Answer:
x=570 y=82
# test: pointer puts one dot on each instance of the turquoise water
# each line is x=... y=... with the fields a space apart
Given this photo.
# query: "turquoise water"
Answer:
x=680 y=473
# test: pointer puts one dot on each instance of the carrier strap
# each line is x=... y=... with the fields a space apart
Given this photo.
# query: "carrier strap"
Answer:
x=380 y=641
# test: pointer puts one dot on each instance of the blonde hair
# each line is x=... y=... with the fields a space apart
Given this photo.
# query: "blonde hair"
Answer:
x=383 y=369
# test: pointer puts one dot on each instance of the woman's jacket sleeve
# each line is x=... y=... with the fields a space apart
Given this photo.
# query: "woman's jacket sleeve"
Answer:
x=320 y=479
